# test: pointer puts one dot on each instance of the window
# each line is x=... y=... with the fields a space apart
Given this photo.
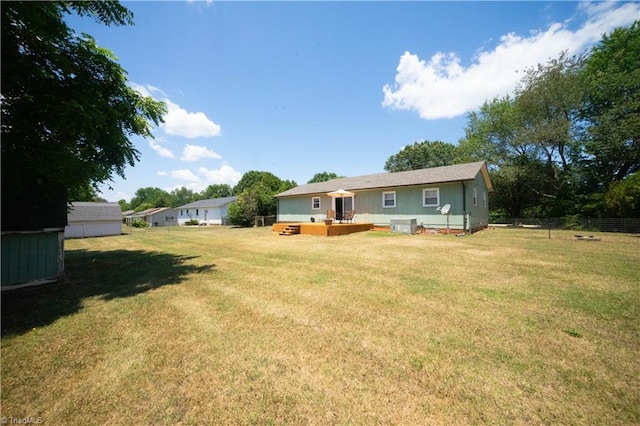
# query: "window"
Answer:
x=484 y=199
x=181 y=211
x=389 y=199
x=475 y=196
x=197 y=212
x=315 y=203
x=430 y=197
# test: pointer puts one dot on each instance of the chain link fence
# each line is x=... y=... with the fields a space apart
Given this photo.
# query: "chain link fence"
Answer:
x=625 y=225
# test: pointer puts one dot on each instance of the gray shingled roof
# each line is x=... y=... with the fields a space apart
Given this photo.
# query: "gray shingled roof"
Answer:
x=94 y=212
x=214 y=202
x=151 y=211
x=455 y=173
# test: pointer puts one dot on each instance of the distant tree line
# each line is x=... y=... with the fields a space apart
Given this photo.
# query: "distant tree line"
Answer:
x=255 y=192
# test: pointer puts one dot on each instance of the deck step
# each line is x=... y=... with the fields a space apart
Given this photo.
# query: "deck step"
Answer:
x=291 y=230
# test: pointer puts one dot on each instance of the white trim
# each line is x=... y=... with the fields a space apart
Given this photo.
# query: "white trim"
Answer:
x=384 y=206
x=313 y=199
x=437 y=197
x=353 y=202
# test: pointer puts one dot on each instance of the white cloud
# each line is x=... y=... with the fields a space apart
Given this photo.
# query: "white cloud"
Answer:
x=193 y=153
x=204 y=177
x=442 y=88
x=225 y=174
x=161 y=150
x=147 y=90
x=180 y=122
x=121 y=196
x=185 y=174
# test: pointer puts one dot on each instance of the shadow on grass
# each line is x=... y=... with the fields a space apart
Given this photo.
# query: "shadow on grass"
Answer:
x=107 y=274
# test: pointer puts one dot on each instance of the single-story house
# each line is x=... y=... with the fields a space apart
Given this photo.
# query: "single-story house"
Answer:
x=417 y=194
x=87 y=219
x=157 y=216
x=209 y=212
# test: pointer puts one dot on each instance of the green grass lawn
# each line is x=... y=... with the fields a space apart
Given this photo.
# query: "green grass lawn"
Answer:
x=242 y=326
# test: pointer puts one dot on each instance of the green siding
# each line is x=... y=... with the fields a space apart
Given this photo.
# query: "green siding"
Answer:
x=478 y=214
x=299 y=209
x=409 y=206
x=31 y=257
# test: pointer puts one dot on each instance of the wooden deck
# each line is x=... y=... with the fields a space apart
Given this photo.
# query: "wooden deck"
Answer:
x=319 y=228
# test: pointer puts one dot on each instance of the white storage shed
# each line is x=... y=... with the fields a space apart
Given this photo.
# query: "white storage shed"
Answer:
x=87 y=219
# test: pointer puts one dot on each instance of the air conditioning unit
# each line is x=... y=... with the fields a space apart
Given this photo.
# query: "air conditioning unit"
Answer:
x=404 y=226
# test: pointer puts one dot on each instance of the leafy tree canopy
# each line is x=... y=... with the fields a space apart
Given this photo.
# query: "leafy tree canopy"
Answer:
x=217 y=191
x=269 y=180
x=255 y=201
x=155 y=197
x=255 y=193
x=549 y=100
x=181 y=196
x=323 y=177
x=494 y=133
x=67 y=111
x=124 y=206
x=422 y=155
x=612 y=108
x=83 y=193
x=623 y=198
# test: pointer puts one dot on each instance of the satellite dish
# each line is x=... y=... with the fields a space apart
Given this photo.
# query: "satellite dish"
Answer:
x=445 y=209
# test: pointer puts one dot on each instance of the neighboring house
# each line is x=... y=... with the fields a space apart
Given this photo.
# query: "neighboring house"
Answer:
x=416 y=194
x=87 y=219
x=210 y=212
x=158 y=216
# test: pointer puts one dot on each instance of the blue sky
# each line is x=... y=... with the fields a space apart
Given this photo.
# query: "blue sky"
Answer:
x=297 y=88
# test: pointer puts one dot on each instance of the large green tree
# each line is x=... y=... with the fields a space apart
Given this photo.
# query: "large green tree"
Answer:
x=218 y=190
x=612 y=108
x=68 y=113
x=255 y=192
x=422 y=155
x=255 y=201
x=549 y=99
x=268 y=179
x=494 y=134
x=181 y=196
